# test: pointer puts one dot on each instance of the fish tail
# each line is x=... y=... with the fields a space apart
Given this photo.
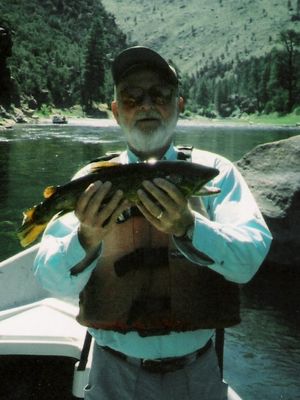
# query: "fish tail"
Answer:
x=30 y=230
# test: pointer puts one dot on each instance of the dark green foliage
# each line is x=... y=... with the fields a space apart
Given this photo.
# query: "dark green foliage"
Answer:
x=52 y=45
x=94 y=67
x=288 y=71
x=258 y=84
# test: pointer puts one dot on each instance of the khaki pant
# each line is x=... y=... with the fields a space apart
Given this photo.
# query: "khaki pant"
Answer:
x=112 y=378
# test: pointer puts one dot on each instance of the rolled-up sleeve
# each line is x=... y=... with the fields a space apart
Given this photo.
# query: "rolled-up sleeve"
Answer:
x=235 y=236
x=59 y=251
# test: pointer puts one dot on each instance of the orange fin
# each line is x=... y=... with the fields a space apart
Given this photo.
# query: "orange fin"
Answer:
x=29 y=233
x=49 y=191
x=28 y=214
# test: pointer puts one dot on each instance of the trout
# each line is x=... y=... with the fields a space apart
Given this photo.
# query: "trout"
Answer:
x=190 y=179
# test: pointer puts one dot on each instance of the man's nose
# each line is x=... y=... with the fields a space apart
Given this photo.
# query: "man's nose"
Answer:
x=147 y=102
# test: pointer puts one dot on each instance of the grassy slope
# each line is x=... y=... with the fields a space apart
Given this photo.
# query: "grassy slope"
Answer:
x=190 y=32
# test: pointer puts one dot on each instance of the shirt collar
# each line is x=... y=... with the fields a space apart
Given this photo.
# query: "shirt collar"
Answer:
x=130 y=157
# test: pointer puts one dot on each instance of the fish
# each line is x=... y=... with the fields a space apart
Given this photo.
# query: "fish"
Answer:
x=189 y=177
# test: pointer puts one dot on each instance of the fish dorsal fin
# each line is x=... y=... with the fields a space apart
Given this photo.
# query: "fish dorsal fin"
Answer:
x=95 y=167
x=49 y=191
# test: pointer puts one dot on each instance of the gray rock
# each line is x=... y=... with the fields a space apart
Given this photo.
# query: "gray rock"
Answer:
x=272 y=171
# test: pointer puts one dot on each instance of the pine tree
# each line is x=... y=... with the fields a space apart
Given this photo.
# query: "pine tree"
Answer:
x=202 y=95
x=263 y=87
x=94 y=69
x=288 y=71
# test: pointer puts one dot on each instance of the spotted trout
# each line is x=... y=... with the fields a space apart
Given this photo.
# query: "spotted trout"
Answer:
x=189 y=177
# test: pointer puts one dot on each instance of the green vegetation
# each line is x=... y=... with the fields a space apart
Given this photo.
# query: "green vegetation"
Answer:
x=273 y=119
x=235 y=57
x=263 y=85
x=291 y=119
x=62 y=52
x=53 y=50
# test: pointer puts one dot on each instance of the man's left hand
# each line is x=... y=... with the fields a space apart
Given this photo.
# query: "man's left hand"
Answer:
x=165 y=207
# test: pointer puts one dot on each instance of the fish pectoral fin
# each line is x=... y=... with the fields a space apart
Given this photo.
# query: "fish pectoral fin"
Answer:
x=49 y=191
x=208 y=191
x=97 y=166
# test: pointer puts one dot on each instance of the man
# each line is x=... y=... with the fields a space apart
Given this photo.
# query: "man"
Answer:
x=179 y=262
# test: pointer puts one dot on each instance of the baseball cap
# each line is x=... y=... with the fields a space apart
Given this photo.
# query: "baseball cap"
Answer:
x=136 y=56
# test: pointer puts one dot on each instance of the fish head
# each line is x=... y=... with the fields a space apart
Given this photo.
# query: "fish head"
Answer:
x=191 y=178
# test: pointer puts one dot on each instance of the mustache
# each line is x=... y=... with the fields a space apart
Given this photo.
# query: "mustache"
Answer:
x=147 y=115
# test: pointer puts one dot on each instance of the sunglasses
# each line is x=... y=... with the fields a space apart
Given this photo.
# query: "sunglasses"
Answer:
x=134 y=96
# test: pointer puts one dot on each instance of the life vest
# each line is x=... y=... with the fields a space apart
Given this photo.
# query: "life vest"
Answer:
x=143 y=283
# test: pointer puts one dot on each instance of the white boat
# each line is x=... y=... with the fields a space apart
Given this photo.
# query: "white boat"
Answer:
x=40 y=332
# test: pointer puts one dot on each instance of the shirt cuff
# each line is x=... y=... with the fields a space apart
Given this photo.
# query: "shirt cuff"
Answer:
x=209 y=239
x=72 y=249
x=77 y=259
x=185 y=246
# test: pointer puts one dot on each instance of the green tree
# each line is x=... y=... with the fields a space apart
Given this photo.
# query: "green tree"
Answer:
x=94 y=68
x=289 y=63
x=263 y=85
x=202 y=94
x=222 y=98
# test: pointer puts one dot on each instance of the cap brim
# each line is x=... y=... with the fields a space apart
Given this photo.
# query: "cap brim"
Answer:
x=138 y=55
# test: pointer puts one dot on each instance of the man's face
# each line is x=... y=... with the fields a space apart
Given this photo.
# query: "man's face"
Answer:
x=147 y=109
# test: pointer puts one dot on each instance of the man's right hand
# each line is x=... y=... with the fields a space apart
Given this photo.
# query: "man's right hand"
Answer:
x=97 y=219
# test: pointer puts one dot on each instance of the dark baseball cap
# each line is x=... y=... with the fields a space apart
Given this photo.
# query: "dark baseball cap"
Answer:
x=136 y=56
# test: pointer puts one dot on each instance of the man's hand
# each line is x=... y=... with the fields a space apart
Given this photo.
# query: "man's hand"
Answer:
x=96 y=219
x=164 y=206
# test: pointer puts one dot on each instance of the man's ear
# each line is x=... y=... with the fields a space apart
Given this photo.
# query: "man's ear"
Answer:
x=114 y=109
x=181 y=104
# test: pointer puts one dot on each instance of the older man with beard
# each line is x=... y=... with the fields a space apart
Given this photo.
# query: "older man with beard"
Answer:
x=167 y=270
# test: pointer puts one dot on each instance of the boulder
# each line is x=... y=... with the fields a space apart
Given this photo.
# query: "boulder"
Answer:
x=272 y=171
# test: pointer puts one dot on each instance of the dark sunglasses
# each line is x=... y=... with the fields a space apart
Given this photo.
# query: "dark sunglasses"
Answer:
x=134 y=96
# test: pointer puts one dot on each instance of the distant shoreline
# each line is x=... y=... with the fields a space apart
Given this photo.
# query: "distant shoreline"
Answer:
x=110 y=122
x=193 y=121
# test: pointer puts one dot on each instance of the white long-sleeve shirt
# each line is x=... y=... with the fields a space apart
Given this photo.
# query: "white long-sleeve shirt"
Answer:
x=235 y=237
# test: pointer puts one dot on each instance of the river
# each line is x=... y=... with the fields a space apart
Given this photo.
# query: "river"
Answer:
x=262 y=354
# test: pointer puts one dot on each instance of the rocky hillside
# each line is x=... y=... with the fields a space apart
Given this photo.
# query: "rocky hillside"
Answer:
x=193 y=32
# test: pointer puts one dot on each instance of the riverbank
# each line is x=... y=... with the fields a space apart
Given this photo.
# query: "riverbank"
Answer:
x=289 y=120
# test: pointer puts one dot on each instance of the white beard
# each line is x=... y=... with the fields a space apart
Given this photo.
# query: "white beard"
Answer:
x=150 y=142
